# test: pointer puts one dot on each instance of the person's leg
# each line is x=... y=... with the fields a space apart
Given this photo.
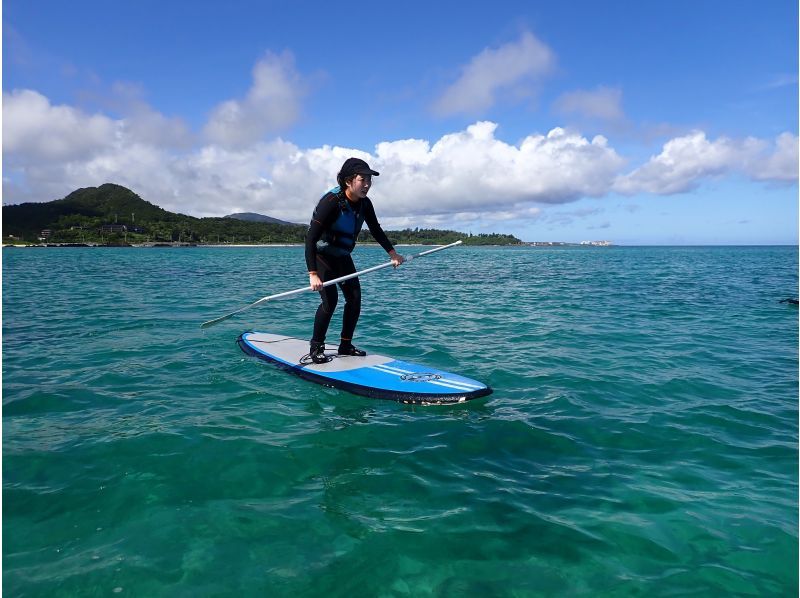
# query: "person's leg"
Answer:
x=351 y=289
x=327 y=306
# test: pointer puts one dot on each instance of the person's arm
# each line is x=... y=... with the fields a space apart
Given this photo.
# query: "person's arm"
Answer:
x=377 y=232
x=324 y=215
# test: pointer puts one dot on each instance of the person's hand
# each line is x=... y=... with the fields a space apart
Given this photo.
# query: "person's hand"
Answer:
x=397 y=259
x=315 y=281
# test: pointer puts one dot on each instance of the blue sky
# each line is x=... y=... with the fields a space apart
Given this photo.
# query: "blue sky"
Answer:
x=637 y=122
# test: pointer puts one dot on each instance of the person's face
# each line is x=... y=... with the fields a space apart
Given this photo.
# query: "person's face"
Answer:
x=359 y=186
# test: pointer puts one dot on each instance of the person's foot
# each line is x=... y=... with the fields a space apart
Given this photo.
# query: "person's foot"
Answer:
x=349 y=349
x=317 y=353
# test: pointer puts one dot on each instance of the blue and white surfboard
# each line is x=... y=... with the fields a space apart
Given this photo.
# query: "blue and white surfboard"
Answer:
x=375 y=376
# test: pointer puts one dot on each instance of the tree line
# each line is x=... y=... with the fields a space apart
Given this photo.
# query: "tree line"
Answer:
x=114 y=215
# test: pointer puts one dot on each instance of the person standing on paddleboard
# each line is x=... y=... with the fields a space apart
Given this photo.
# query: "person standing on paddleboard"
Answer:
x=330 y=240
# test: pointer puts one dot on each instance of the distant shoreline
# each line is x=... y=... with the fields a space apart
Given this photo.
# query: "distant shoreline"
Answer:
x=193 y=245
x=532 y=245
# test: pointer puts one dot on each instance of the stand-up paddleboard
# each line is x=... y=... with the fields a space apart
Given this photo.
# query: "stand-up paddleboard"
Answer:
x=375 y=376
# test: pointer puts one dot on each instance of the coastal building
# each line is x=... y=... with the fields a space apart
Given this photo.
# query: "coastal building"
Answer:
x=121 y=228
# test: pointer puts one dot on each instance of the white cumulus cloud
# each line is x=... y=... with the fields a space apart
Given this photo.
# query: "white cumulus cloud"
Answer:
x=464 y=177
x=512 y=68
x=685 y=162
x=472 y=169
x=35 y=128
x=143 y=124
x=774 y=163
x=271 y=104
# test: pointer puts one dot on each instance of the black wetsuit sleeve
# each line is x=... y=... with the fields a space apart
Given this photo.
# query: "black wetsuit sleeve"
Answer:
x=325 y=214
x=374 y=226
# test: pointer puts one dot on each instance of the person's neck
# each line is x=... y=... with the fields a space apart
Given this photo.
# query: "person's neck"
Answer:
x=350 y=198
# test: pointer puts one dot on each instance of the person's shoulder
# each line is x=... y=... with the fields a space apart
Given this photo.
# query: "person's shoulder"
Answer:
x=333 y=193
x=328 y=198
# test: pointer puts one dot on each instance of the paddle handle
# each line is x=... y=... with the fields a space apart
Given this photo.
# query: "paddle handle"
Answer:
x=409 y=258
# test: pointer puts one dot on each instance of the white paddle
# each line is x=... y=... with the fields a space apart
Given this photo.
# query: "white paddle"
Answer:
x=408 y=258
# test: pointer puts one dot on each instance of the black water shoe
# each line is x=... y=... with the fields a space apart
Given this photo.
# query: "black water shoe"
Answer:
x=317 y=353
x=349 y=349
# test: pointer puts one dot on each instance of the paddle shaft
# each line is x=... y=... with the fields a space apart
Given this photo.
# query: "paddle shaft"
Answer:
x=216 y=321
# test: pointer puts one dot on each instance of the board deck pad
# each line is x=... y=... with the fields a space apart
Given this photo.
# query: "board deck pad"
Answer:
x=375 y=376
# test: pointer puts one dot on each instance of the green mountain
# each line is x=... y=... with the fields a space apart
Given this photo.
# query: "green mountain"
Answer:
x=107 y=204
x=253 y=217
x=114 y=215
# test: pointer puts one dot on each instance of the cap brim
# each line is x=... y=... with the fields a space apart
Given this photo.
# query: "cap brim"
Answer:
x=367 y=171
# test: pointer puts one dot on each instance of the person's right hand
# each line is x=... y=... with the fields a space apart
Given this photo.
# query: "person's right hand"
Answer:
x=315 y=281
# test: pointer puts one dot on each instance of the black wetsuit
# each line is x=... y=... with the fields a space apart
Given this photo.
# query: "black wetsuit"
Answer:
x=330 y=257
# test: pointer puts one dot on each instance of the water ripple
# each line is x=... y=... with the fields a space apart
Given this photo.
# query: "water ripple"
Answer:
x=641 y=439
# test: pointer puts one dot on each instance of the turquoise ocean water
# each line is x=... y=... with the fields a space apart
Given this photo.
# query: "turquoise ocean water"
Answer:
x=642 y=438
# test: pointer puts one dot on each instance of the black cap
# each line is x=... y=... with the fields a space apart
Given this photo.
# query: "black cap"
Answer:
x=353 y=166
